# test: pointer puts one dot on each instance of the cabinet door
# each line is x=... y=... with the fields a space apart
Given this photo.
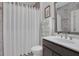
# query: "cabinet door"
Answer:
x=46 y=51
x=55 y=54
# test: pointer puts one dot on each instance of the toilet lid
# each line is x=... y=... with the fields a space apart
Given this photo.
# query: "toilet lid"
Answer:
x=36 y=48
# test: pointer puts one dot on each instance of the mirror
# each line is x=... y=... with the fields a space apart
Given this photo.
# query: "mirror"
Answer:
x=67 y=16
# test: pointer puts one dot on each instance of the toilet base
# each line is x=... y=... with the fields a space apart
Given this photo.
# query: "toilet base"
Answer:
x=37 y=50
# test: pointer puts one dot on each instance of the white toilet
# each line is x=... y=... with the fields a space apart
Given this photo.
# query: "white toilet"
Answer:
x=37 y=50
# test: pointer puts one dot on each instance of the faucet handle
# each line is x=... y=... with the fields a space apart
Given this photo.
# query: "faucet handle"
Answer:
x=70 y=37
x=61 y=35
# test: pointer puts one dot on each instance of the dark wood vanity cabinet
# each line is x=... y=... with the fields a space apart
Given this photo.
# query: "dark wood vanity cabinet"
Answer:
x=47 y=52
x=53 y=49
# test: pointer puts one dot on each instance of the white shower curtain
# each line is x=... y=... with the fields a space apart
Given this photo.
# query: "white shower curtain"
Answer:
x=20 y=28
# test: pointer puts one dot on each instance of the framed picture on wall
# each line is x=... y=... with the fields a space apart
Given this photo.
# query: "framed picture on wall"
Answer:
x=47 y=12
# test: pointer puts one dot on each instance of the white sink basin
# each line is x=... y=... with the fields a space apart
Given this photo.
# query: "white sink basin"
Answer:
x=63 y=40
x=66 y=41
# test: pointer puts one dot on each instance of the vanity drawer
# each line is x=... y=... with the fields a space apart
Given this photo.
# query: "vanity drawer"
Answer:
x=60 y=49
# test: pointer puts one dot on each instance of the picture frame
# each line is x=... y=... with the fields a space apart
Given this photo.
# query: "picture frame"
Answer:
x=47 y=11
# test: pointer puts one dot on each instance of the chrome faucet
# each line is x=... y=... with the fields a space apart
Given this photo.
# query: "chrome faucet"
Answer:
x=66 y=36
x=70 y=38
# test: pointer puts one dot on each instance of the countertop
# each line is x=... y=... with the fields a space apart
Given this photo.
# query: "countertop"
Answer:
x=71 y=44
